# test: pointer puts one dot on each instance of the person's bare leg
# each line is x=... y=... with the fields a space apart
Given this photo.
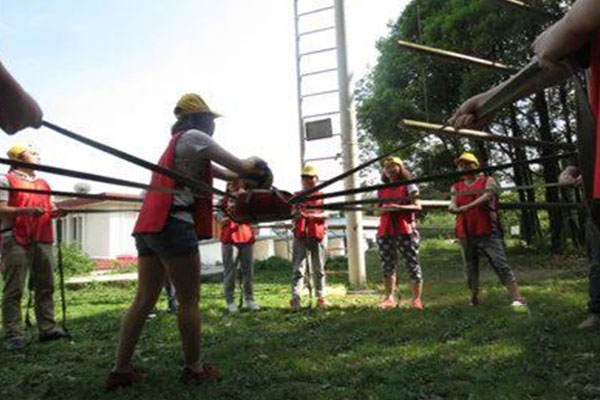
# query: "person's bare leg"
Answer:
x=185 y=275
x=513 y=290
x=151 y=276
x=417 y=290
x=389 y=283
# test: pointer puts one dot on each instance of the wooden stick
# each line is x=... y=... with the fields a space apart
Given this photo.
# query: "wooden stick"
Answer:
x=458 y=57
x=524 y=7
x=423 y=127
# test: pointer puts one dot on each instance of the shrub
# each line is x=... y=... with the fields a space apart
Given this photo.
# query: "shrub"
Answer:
x=75 y=261
x=273 y=263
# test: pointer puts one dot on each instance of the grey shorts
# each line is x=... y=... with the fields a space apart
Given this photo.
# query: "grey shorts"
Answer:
x=176 y=239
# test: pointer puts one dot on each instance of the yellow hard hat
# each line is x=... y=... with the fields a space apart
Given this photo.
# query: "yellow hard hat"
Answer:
x=17 y=149
x=469 y=157
x=191 y=103
x=309 y=170
x=393 y=160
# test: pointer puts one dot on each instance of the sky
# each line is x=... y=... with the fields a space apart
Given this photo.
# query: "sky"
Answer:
x=113 y=71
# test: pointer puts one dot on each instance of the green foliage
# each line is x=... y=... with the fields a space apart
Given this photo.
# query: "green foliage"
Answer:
x=404 y=84
x=75 y=261
x=273 y=264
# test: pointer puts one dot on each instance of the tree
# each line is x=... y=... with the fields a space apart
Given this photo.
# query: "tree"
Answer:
x=405 y=85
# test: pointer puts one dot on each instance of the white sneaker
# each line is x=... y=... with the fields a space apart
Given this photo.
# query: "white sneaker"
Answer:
x=518 y=303
x=251 y=305
x=232 y=308
x=591 y=322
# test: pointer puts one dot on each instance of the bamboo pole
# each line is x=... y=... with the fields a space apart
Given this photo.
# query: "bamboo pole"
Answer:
x=524 y=7
x=458 y=57
x=480 y=135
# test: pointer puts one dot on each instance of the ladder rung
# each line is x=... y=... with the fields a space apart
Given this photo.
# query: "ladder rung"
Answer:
x=318 y=10
x=323 y=71
x=323 y=158
x=319 y=93
x=329 y=28
x=318 y=51
x=320 y=115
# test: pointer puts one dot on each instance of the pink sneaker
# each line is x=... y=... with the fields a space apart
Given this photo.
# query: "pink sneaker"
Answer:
x=323 y=303
x=416 y=304
x=387 y=304
x=295 y=304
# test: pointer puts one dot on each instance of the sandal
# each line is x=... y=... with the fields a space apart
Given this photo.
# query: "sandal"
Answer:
x=117 y=380
x=206 y=374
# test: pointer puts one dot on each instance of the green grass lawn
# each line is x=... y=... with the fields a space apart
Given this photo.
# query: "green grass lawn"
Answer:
x=353 y=351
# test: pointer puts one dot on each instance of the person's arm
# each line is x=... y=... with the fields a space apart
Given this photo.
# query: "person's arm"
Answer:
x=453 y=207
x=224 y=158
x=570 y=33
x=11 y=212
x=491 y=186
x=223 y=173
x=551 y=48
x=415 y=202
x=18 y=109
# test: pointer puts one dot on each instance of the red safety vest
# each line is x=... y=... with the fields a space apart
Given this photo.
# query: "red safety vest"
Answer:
x=157 y=205
x=27 y=229
x=234 y=233
x=477 y=221
x=594 y=94
x=310 y=227
x=395 y=222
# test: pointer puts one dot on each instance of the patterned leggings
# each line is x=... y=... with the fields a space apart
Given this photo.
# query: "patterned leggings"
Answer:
x=408 y=246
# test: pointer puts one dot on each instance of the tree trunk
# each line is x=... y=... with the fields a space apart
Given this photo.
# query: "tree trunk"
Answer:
x=551 y=172
x=529 y=223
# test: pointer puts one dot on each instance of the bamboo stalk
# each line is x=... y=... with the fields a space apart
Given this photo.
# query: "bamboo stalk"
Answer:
x=480 y=135
x=454 y=56
x=524 y=7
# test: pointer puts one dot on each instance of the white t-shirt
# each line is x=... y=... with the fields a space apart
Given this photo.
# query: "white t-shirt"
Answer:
x=189 y=161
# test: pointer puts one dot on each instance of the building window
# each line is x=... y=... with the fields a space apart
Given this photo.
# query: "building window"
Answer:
x=76 y=231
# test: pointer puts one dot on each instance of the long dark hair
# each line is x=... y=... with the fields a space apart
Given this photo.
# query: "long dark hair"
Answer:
x=202 y=121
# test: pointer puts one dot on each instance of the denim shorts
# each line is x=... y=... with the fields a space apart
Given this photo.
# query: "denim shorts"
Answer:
x=176 y=239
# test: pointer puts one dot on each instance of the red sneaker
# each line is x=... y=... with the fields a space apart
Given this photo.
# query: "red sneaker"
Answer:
x=295 y=304
x=323 y=303
x=208 y=373
x=117 y=380
x=417 y=304
x=387 y=304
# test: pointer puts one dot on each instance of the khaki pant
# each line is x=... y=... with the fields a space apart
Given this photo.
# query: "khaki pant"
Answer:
x=17 y=262
x=315 y=249
x=232 y=255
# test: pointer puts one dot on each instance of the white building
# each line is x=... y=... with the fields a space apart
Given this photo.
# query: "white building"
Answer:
x=103 y=231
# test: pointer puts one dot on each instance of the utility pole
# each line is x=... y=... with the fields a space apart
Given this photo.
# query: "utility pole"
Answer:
x=354 y=229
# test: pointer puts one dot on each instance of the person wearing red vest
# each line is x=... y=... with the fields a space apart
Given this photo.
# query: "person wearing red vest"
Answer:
x=478 y=228
x=167 y=232
x=397 y=233
x=27 y=239
x=237 y=246
x=310 y=240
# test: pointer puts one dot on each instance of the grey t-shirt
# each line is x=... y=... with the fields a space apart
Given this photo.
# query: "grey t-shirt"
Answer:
x=189 y=161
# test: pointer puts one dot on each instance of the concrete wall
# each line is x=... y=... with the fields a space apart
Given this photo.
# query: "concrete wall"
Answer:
x=121 y=243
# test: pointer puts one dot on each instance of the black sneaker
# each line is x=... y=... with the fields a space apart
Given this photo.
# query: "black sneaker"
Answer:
x=54 y=334
x=15 y=344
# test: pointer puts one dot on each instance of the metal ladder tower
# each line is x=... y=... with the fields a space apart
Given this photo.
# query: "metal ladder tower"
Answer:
x=325 y=105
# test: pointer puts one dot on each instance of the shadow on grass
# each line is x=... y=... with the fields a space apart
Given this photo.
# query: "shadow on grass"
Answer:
x=353 y=351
